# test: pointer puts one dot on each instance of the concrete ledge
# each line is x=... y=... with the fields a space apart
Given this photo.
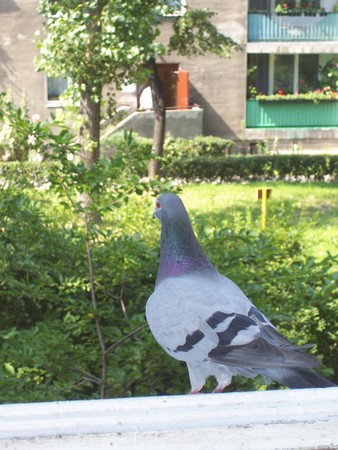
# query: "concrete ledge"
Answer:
x=324 y=140
x=184 y=123
x=324 y=134
x=289 y=47
x=288 y=419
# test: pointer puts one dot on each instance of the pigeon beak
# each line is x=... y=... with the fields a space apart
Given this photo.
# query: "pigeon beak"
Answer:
x=155 y=216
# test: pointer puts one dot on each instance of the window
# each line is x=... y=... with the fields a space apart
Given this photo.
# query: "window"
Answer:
x=55 y=87
x=283 y=74
x=258 y=73
x=292 y=74
x=176 y=8
x=262 y=6
x=308 y=72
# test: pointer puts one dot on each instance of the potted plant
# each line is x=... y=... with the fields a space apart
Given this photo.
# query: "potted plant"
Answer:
x=322 y=11
x=298 y=10
x=282 y=9
x=310 y=10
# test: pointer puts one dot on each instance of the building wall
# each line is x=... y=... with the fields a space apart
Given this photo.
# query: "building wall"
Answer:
x=217 y=85
x=19 y=20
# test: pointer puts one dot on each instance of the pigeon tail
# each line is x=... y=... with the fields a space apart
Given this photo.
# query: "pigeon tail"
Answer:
x=297 y=378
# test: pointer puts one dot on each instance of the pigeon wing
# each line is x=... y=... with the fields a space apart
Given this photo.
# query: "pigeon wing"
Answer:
x=189 y=320
x=194 y=323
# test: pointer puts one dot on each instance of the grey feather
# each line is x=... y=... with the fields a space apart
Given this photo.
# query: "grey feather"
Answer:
x=203 y=318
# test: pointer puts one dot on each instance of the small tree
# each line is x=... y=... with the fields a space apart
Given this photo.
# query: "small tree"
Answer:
x=96 y=44
x=193 y=34
x=110 y=42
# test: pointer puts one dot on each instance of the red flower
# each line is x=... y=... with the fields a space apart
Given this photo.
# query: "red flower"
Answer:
x=280 y=92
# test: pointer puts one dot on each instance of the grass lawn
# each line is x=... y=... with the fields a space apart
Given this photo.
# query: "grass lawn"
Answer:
x=312 y=207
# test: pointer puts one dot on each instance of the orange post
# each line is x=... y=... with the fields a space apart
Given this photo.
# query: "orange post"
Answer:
x=182 y=89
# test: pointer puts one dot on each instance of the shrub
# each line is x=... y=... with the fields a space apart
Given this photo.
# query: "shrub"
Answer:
x=199 y=146
x=49 y=349
x=259 y=167
x=116 y=142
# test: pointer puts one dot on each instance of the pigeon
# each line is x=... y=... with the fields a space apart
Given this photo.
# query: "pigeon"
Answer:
x=203 y=318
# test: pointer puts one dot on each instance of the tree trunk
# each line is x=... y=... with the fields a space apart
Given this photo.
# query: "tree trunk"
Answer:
x=90 y=132
x=157 y=91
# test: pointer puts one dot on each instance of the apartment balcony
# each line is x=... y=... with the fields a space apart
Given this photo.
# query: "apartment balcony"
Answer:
x=273 y=28
x=291 y=114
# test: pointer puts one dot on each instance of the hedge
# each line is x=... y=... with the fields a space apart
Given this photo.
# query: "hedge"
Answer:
x=24 y=174
x=232 y=168
x=199 y=146
x=258 y=167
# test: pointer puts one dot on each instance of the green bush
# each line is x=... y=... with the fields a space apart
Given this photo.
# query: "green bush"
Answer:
x=24 y=174
x=48 y=344
x=116 y=142
x=198 y=147
x=16 y=129
x=314 y=167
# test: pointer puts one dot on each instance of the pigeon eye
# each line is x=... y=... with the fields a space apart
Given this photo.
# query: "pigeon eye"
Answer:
x=158 y=205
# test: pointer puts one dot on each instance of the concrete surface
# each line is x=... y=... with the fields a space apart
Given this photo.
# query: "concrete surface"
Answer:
x=265 y=420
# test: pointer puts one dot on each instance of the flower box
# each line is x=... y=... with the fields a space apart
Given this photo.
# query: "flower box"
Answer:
x=291 y=114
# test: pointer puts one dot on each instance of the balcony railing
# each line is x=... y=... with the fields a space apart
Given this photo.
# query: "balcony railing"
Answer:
x=291 y=114
x=263 y=27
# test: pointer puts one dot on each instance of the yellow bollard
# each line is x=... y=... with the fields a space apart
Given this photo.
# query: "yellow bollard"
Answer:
x=264 y=194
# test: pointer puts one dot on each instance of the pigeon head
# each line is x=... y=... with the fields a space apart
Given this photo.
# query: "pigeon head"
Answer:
x=169 y=207
x=180 y=251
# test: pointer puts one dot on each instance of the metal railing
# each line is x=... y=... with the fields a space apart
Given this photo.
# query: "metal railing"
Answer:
x=270 y=27
x=291 y=114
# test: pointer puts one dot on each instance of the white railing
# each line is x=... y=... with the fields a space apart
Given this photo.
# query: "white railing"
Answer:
x=263 y=27
x=286 y=419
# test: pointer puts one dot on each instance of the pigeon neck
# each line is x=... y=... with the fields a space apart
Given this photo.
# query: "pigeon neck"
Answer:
x=180 y=251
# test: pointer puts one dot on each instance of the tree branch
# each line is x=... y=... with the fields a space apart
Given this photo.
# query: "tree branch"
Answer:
x=125 y=338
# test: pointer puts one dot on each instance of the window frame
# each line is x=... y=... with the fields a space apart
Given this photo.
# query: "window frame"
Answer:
x=53 y=103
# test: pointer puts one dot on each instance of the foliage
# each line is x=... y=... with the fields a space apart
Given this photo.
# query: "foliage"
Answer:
x=199 y=146
x=40 y=286
x=329 y=75
x=16 y=134
x=282 y=8
x=96 y=43
x=175 y=149
x=24 y=174
x=195 y=34
x=251 y=77
x=116 y=142
x=314 y=167
x=325 y=94
x=49 y=347
x=108 y=43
